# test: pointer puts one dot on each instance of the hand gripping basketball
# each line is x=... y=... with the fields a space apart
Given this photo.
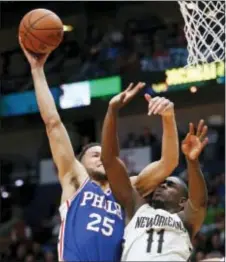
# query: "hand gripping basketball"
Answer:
x=35 y=61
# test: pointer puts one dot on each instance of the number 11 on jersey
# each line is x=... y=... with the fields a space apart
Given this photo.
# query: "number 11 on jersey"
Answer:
x=150 y=239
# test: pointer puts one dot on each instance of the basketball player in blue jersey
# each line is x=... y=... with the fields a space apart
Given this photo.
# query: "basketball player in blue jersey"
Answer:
x=92 y=220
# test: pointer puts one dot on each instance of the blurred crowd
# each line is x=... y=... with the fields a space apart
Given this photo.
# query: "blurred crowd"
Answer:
x=147 y=45
x=24 y=243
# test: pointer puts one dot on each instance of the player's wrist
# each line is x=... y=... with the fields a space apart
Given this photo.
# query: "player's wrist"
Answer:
x=113 y=109
x=169 y=115
x=194 y=162
x=37 y=70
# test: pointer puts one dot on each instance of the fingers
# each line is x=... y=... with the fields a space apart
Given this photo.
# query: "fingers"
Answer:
x=191 y=129
x=153 y=104
x=20 y=42
x=166 y=106
x=187 y=138
x=22 y=46
x=158 y=105
x=204 y=142
x=134 y=90
x=203 y=133
x=163 y=103
x=200 y=127
x=147 y=97
x=122 y=97
x=27 y=53
x=137 y=87
x=129 y=87
x=131 y=91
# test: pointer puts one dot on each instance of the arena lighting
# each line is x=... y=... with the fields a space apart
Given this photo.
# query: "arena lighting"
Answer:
x=25 y=102
x=68 y=28
x=184 y=77
x=193 y=89
x=192 y=74
x=19 y=182
x=5 y=194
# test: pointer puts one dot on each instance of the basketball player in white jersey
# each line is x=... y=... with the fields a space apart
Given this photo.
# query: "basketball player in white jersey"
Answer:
x=162 y=228
x=168 y=219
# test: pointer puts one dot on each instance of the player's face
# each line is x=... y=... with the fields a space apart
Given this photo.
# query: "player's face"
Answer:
x=92 y=162
x=168 y=194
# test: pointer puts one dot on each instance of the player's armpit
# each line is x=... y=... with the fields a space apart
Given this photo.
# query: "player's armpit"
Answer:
x=63 y=154
x=151 y=176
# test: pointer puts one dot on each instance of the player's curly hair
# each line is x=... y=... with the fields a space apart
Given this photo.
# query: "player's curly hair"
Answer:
x=85 y=148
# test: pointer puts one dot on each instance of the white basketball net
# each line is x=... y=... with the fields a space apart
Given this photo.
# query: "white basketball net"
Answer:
x=204 y=30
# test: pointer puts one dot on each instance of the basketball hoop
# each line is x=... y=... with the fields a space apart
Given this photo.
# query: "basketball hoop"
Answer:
x=204 y=30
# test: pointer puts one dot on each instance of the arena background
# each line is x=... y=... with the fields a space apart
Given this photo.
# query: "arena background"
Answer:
x=107 y=45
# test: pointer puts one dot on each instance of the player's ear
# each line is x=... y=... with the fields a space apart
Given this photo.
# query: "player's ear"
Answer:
x=182 y=202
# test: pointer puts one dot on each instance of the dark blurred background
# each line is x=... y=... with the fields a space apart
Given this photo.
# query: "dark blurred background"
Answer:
x=107 y=45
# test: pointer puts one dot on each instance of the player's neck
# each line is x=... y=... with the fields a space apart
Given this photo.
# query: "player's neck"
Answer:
x=102 y=183
x=161 y=205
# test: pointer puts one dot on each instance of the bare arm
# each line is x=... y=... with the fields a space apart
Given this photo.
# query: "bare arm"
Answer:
x=115 y=168
x=195 y=209
x=62 y=151
x=59 y=140
x=155 y=173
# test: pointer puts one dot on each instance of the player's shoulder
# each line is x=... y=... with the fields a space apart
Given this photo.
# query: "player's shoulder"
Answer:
x=70 y=189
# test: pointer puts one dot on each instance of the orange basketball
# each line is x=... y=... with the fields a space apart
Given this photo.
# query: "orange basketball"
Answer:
x=41 y=31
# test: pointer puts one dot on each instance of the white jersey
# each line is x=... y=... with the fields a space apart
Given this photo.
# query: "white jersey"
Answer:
x=156 y=235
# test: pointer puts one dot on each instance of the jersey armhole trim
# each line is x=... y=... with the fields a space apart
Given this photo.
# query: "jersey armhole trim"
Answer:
x=68 y=201
x=77 y=192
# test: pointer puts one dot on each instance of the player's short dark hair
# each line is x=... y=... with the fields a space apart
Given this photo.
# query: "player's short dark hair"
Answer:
x=184 y=188
x=85 y=148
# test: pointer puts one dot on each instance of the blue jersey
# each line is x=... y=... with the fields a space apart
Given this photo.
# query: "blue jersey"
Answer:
x=92 y=226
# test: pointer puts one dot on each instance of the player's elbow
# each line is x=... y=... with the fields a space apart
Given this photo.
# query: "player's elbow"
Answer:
x=169 y=164
x=52 y=122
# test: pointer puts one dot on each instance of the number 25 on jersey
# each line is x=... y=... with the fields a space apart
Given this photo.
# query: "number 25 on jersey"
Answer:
x=101 y=224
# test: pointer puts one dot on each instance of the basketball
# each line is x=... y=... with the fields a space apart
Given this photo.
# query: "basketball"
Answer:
x=41 y=31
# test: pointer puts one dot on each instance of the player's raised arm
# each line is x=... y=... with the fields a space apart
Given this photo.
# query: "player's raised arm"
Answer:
x=115 y=168
x=59 y=140
x=155 y=173
x=195 y=209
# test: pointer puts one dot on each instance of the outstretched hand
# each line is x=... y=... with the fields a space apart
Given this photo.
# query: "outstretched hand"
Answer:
x=159 y=106
x=35 y=60
x=193 y=144
x=123 y=98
